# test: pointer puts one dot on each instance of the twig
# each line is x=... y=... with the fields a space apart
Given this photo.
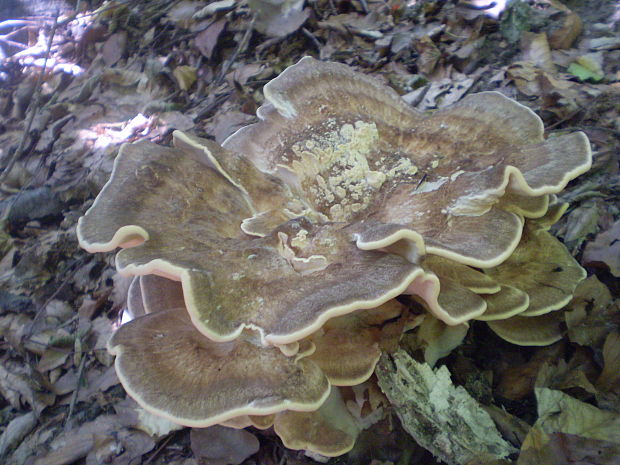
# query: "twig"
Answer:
x=74 y=396
x=39 y=312
x=243 y=43
x=35 y=104
x=12 y=42
x=217 y=101
x=312 y=37
x=159 y=449
x=16 y=23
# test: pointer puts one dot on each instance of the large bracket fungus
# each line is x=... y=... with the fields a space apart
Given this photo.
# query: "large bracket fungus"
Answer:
x=294 y=236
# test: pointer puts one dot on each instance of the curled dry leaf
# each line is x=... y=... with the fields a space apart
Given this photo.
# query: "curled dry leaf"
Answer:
x=605 y=248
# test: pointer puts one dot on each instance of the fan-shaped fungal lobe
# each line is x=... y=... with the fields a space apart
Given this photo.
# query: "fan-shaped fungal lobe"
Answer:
x=276 y=233
x=354 y=152
x=172 y=370
x=266 y=268
x=181 y=218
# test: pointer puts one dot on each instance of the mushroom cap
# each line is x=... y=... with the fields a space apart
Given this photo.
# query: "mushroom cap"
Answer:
x=508 y=302
x=330 y=431
x=439 y=339
x=539 y=277
x=355 y=152
x=349 y=347
x=446 y=299
x=180 y=218
x=539 y=330
x=173 y=371
x=543 y=269
x=463 y=275
x=263 y=235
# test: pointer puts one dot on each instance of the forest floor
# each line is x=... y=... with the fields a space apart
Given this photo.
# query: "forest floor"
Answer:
x=74 y=86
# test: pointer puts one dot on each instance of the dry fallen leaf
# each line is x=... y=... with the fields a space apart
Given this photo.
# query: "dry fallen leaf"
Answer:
x=563 y=376
x=559 y=412
x=517 y=381
x=609 y=379
x=536 y=51
x=114 y=47
x=561 y=449
x=605 y=249
x=219 y=445
x=592 y=314
x=429 y=55
x=15 y=431
x=279 y=18
x=186 y=76
x=565 y=36
x=206 y=40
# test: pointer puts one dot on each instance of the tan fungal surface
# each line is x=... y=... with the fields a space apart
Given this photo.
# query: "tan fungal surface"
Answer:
x=509 y=301
x=469 y=278
x=538 y=279
x=135 y=304
x=329 y=431
x=347 y=348
x=305 y=215
x=438 y=339
x=529 y=207
x=260 y=422
x=543 y=269
x=160 y=293
x=188 y=217
x=172 y=370
x=352 y=151
x=265 y=270
x=530 y=331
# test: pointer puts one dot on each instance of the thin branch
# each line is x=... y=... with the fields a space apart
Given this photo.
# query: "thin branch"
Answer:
x=16 y=23
x=312 y=38
x=76 y=391
x=39 y=313
x=243 y=43
x=35 y=104
x=159 y=449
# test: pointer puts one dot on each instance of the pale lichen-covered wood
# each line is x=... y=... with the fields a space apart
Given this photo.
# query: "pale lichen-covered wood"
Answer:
x=441 y=417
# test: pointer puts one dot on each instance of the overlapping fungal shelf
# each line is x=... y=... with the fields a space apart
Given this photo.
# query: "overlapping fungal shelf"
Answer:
x=258 y=260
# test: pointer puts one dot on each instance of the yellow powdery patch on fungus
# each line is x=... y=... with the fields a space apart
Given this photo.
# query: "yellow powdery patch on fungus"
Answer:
x=333 y=169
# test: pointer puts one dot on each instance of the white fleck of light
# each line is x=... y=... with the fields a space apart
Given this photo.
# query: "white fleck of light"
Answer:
x=492 y=9
x=126 y=317
x=443 y=125
x=429 y=186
